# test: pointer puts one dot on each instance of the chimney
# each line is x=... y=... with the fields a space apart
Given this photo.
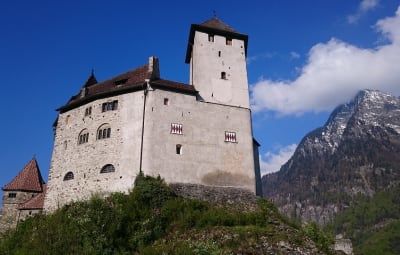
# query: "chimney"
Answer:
x=154 y=71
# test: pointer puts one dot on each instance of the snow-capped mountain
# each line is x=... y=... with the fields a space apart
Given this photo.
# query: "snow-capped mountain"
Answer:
x=357 y=151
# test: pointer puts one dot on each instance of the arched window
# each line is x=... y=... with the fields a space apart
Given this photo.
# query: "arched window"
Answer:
x=69 y=176
x=83 y=136
x=104 y=132
x=107 y=169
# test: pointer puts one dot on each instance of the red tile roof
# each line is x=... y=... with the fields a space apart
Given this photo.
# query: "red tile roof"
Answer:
x=130 y=81
x=28 y=179
x=36 y=202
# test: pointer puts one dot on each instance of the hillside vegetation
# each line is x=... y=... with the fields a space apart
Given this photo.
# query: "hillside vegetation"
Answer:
x=372 y=223
x=152 y=219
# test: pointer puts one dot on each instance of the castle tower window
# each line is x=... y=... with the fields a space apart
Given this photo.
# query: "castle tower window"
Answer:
x=104 y=132
x=230 y=137
x=228 y=41
x=223 y=75
x=166 y=101
x=69 y=176
x=12 y=195
x=83 y=136
x=107 y=169
x=211 y=38
x=176 y=129
x=219 y=53
x=110 y=106
x=88 y=111
x=179 y=149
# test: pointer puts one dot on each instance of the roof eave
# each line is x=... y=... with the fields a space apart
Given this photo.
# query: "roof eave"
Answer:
x=215 y=31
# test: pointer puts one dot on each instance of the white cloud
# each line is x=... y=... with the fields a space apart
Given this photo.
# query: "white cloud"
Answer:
x=274 y=161
x=365 y=6
x=334 y=73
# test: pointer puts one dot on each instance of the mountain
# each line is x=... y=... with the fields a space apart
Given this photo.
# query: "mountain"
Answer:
x=357 y=152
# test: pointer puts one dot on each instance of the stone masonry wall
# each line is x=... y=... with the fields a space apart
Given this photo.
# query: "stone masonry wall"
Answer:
x=85 y=160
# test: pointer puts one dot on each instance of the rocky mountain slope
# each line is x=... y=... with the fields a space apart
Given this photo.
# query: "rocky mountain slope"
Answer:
x=356 y=152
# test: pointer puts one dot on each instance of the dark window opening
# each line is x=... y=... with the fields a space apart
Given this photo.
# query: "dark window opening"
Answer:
x=103 y=133
x=12 y=195
x=107 y=169
x=166 y=101
x=88 y=111
x=179 y=149
x=219 y=53
x=223 y=75
x=228 y=41
x=211 y=38
x=120 y=82
x=69 y=176
x=110 y=106
x=83 y=137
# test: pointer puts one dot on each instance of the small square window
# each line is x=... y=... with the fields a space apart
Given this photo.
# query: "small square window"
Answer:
x=166 y=101
x=228 y=41
x=230 y=137
x=223 y=75
x=211 y=38
x=176 y=129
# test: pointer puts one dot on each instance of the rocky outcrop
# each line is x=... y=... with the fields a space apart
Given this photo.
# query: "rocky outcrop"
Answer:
x=355 y=152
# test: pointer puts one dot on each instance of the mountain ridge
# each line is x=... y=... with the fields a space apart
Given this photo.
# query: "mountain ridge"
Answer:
x=355 y=152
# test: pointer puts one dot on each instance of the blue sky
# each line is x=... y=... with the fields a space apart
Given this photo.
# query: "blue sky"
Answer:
x=304 y=58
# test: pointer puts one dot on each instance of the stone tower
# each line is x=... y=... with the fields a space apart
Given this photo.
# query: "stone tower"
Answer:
x=22 y=196
x=217 y=57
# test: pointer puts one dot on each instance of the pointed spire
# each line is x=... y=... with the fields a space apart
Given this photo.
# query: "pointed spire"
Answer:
x=91 y=80
x=28 y=179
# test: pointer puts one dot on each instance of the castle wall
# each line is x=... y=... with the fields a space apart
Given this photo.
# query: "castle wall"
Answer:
x=10 y=213
x=205 y=158
x=85 y=160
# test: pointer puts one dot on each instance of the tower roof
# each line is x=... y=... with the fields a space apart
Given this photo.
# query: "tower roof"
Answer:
x=213 y=26
x=216 y=23
x=28 y=179
x=91 y=80
x=37 y=202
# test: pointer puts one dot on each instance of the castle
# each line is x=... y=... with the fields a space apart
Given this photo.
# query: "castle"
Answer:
x=198 y=133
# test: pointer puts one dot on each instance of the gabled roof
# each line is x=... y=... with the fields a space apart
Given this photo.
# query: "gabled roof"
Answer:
x=37 y=202
x=216 y=27
x=91 y=80
x=28 y=179
x=130 y=81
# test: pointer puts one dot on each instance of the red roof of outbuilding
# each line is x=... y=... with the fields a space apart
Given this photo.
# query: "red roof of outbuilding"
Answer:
x=36 y=202
x=28 y=179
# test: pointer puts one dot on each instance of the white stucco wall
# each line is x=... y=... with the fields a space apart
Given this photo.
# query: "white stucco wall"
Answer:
x=206 y=158
x=209 y=59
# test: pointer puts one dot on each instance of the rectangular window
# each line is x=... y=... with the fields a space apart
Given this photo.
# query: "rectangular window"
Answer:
x=228 y=41
x=230 y=137
x=211 y=38
x=12 y=195
x=88 y=111
x=109 y=106
x=176 y=129
x=166 y=101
